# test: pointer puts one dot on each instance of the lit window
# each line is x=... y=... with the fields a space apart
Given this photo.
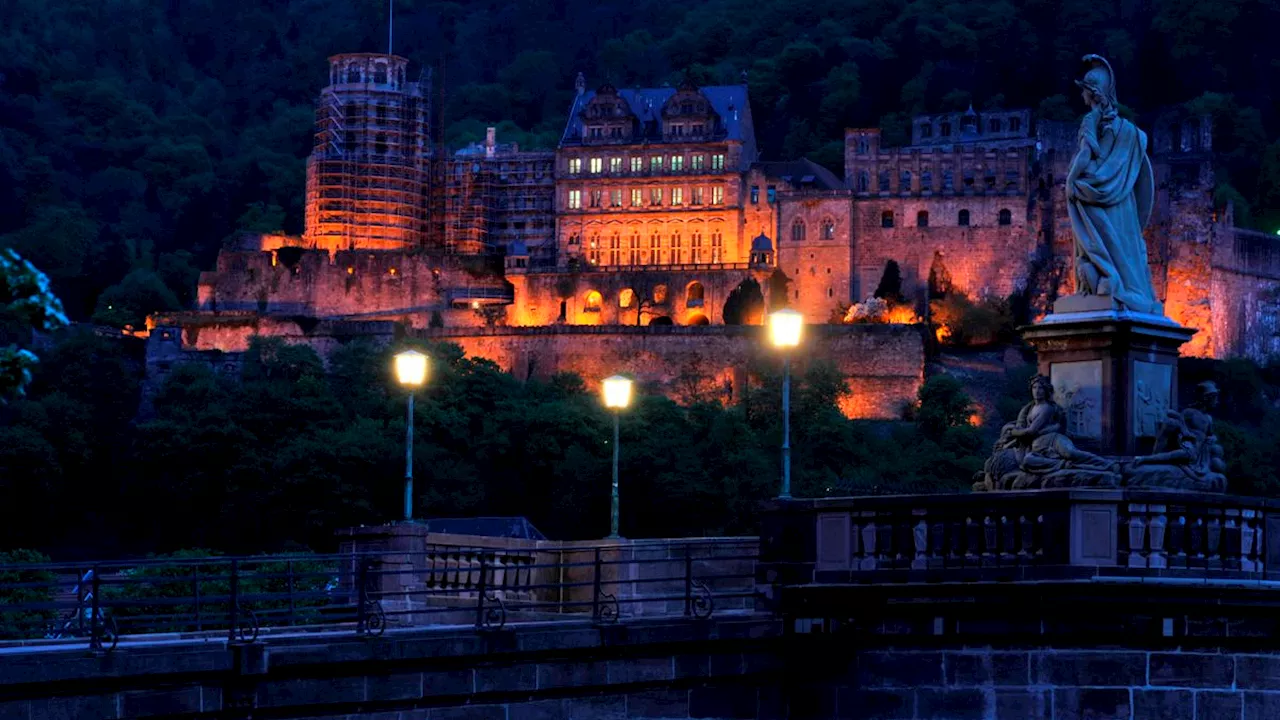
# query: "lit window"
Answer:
x=575 y=166
x=677 y=163
x=717 y=244
x=637 y=197
x=697 y=161
x=755 y=194
x=575 y=199
x=615 y=165
x=615 y=198
x=637 y=164
x=828 y=230
x=597 y=164
x=717 y=195
x=696 y=198
x=626 y=298
x=655 y=196
x=677 y=196
x=717 y=162
x=655 y=164
x=773 y=194
x=593 y=301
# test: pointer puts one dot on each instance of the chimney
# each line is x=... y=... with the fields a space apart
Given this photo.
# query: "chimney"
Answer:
x=489 y=141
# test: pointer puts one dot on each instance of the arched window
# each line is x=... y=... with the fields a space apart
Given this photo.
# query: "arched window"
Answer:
x=864 y=147
x=659 y=294
x=353 y=73
x=886 y=219
x=797 y=231
x=380 y=73
x=963 y=219
x=828 y=229
x=864 y=181
x=626 y=298
x=594 y=299
x=922 y=218
x=694 y=294
x=1006 y=217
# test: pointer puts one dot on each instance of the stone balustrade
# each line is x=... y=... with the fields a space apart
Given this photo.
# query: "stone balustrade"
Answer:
x=1050 y=534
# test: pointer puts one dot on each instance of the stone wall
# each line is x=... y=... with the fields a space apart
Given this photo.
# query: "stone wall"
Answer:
x=883 y=364
x=657 y=292
x=984 y=258
x=1048 y=684
x=717 y=668
x=1245 y=296
x=820 y=268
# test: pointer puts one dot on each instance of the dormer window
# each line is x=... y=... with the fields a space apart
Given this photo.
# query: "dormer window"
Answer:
x=699 y=129
x=597 y=132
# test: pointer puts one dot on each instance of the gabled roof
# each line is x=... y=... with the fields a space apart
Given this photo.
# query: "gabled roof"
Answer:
x=729 y=102
x=802 y=173
x=510 y=527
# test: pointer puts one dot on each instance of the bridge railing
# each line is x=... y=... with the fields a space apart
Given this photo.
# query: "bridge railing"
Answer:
x=241 y=598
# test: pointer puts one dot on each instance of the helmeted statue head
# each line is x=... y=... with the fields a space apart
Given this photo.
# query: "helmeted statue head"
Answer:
x=1100 y=80
x=1207 y=394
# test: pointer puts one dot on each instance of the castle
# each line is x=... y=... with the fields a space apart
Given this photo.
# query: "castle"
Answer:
x=623 y=245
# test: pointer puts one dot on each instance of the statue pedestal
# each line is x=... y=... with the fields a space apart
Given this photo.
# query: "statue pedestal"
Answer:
x=1114 y=372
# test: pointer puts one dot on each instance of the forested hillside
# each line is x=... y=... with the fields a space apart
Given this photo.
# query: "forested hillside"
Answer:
x=136 y=135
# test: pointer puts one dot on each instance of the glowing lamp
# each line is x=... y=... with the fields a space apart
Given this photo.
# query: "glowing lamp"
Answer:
x=784 y=327
x=617 y=392
x=411 y=368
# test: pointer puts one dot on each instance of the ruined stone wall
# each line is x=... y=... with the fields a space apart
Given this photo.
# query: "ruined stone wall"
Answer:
x=818 y=262
x=664 y=292
x=983 y=259
x=349 y=283
x=883 y=364
x=1246 y=295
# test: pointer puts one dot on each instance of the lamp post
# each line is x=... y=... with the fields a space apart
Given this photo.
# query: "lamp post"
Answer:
x=617 y=395
x=411 y=371
x=784 y=332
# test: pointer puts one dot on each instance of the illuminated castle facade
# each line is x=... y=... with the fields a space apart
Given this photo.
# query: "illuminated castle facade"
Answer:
x=656 y=206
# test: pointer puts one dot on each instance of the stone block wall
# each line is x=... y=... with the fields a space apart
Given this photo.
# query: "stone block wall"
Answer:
x=882 y=364
x=1050 y=684
x=820 y=268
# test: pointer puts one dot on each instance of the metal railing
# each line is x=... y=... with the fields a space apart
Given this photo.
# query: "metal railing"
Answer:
x=241 y=598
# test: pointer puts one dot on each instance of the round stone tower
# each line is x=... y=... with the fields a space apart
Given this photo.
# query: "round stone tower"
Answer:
x=367 y=177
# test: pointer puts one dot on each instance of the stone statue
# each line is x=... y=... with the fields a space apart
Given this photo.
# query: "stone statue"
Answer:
x=1035 y=452
x=1109 y=198
x=1187 y=454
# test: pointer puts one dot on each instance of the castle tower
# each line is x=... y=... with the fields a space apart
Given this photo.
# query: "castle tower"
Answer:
x=367 y=177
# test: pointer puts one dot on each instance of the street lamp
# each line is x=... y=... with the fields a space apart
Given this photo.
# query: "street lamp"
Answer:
x=411 y=371
x=617 y=396
x=784 y=333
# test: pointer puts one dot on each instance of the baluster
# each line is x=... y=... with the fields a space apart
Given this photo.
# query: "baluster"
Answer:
x=1196 y=547
x=1231 y=541
x=1137 y=535
x=1248 y=546
x=869 y=536
x=1176 y=539
x=972 y=540
x=920 y=533
x=1156 y=534
x=1008 y=538
x=937 y=543
x=989 y=549
x=1213 y=541
x=1025 y=538
x=884 y=541
x=955 y=541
